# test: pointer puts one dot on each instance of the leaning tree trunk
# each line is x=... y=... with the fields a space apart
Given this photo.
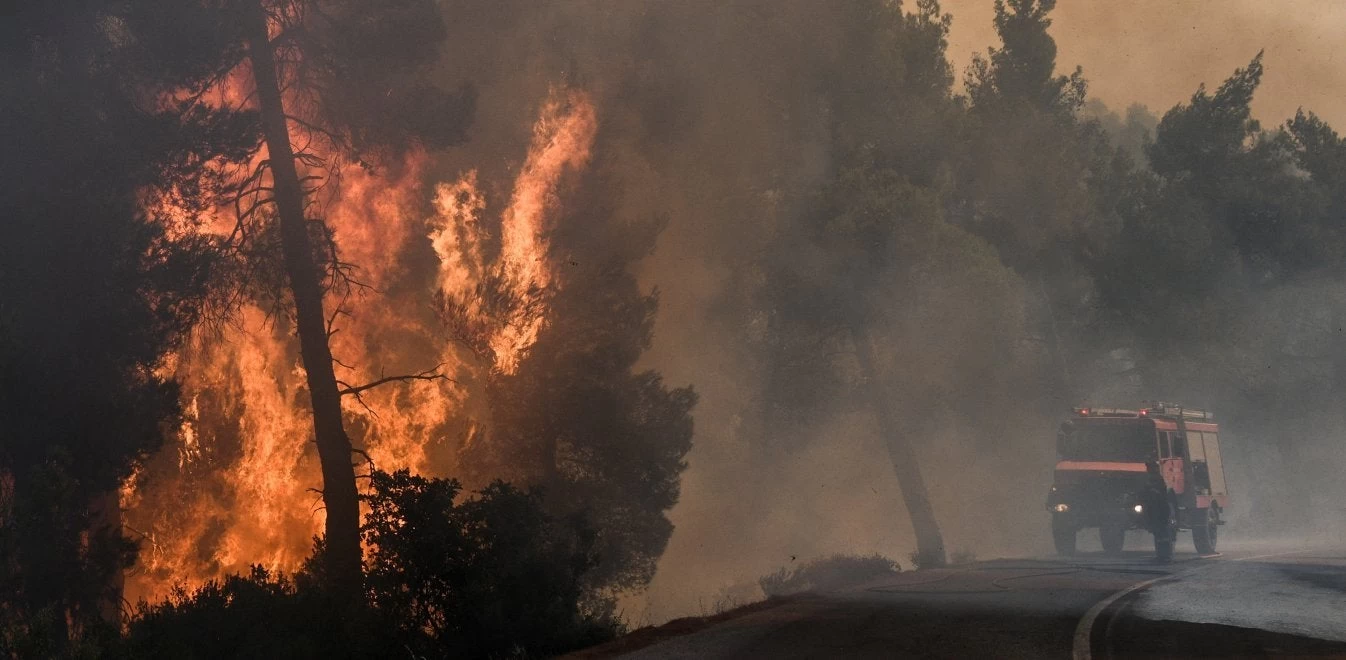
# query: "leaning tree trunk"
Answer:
x=1063 y=386
x=343 y=557
x=929 y=541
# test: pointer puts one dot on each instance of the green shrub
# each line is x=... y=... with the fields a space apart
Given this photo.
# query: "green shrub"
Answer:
x=835 y=572
x=489 y=576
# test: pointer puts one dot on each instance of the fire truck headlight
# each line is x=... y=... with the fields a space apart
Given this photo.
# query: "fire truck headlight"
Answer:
x=1061 y=508
x=1138 y=508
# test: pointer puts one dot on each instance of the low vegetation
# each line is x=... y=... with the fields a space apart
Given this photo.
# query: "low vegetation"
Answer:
x=487 y=576
x=826 y=574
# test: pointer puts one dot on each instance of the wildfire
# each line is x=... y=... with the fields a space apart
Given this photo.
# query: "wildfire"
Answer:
x=236 y=486
x=562 y=139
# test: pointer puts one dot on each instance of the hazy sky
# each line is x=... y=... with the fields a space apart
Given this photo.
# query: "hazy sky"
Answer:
x=1156 y=52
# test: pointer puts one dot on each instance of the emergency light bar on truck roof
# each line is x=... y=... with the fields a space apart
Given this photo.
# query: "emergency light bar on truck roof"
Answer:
x=1154 y=409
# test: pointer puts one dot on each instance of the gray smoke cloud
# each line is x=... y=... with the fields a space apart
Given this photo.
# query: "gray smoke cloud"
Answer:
x=715 y=118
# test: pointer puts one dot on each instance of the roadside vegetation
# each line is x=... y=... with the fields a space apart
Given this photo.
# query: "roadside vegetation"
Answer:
x=828 y=574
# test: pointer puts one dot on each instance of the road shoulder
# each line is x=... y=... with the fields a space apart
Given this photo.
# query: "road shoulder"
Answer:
x=650 y=635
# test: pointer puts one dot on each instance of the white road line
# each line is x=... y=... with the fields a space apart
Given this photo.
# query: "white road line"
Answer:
x=1080 y=648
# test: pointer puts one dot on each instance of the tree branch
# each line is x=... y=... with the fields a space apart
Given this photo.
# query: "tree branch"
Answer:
x=314 y=128
x=428 y=374
x=361 y=400
x=369 y=460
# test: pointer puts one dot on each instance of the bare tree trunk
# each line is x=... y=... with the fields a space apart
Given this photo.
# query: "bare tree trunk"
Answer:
x=343 y=559
x=929 y=541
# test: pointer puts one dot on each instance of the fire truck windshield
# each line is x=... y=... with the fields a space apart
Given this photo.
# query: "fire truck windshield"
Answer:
x=1127 y=443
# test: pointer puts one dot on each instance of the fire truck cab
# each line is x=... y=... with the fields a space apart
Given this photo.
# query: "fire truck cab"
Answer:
x=1103 y=458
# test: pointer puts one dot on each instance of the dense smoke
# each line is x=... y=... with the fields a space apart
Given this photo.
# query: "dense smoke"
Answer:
x=723 y=120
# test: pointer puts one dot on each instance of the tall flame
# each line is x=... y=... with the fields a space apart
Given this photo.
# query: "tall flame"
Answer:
x=562 y=139
x=237 y=485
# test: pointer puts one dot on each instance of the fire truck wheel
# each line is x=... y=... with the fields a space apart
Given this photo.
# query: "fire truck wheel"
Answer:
x=1113 y=538
x=1163 y=549
x=1063 y=535
x=1206 y=530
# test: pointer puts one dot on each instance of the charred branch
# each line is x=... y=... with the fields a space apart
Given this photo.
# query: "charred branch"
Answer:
x=313 y=128
x=338 y=311
x=369 y=460
x=428 y=374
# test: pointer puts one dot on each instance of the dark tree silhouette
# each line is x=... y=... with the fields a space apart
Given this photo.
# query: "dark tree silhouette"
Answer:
x=96 y=292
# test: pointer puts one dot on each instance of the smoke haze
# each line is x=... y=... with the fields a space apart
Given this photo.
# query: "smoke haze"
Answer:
x=718 y=122
x=717 y=117
x=718 y=125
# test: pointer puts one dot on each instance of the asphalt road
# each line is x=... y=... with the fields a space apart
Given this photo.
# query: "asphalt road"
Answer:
x=1254 y=600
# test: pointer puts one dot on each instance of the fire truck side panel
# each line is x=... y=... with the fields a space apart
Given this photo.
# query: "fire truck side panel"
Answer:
x=1214 y=464
x=1195 y=447
x=1203 y=446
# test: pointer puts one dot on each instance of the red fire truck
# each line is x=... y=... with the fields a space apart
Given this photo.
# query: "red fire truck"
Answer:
x=1105 y=462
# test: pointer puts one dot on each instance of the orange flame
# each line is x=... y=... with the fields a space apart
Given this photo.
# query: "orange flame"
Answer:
x=562 y=139
x=236 y=486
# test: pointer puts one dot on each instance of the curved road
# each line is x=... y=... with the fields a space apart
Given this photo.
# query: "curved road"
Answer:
x=1252 y=601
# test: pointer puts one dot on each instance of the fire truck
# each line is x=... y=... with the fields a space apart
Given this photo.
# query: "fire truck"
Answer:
x=1106 y=459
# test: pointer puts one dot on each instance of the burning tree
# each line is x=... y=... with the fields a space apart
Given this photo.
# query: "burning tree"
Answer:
x=327 y=80
x=542 y=349
x=568 y=410
x=334 y=447
x=491 y=266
